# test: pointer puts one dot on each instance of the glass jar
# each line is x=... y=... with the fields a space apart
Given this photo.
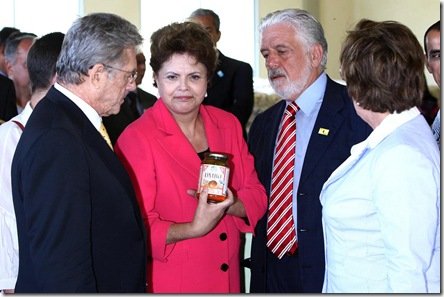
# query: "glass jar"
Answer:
x=214 y=174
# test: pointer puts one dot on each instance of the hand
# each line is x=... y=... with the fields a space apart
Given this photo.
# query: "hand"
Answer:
x=207 y=215
x=236 y=209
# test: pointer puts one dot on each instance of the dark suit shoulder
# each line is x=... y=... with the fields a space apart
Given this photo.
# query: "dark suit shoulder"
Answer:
x=274 y=112
x=146 y=99
x=8 y=107
x=227 y=62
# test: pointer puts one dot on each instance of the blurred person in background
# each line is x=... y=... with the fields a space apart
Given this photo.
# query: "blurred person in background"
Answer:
x=231 y=86
x=41 y=61
x=132 y=107
x=432 y=47
x=16 y=52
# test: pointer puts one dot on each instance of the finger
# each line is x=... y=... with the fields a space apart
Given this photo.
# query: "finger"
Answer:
x=191 y=192
x=203 y=196
x=230 y=194
x=227 y=202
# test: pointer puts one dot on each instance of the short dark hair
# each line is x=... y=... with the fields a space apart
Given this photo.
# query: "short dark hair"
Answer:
x=383 y=66
x=42 y=59
x=435 y=27
x=202 y=12
x=5 y=33
x=183 y=38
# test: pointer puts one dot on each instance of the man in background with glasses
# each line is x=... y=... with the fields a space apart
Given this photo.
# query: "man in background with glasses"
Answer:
x=79 y=226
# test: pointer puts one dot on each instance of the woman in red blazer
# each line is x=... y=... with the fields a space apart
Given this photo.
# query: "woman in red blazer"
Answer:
x=193 y=245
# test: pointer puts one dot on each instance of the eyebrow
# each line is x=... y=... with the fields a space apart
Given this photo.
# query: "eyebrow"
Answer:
x=435 y=51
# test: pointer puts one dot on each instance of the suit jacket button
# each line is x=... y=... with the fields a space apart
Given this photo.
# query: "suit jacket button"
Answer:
x=223 y=236
x=224 y=267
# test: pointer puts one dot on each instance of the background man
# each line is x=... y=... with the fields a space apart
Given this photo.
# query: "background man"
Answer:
x=16 y=52
x=41 y=62
x=432 y=47
x=133 y=106
x=231 y=87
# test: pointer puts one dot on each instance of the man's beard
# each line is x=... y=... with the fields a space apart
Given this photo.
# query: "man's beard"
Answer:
x=288 y=89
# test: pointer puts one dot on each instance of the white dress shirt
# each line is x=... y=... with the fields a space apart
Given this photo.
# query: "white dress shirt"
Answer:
x=309 y=103
x=87 y=109
x=10 y=134
x=381 y=212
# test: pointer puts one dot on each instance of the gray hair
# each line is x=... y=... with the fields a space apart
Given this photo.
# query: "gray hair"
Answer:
x=98 y=38
x=307 y=26
x=12 y=44
x=202 y=12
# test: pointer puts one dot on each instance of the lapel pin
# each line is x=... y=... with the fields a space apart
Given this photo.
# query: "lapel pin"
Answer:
x=323 y=131
x=220 y=73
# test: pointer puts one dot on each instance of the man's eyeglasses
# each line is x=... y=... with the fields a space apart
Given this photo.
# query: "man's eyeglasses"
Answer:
x=132 y=74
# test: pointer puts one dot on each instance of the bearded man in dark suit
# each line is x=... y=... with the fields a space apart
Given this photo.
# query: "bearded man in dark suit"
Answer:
x=327 y=126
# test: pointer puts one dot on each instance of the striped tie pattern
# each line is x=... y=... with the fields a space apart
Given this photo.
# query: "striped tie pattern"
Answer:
x=281 y=234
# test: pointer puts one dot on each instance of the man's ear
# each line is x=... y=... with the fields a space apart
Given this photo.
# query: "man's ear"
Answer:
x=9 y=70
x=218 y=34
x=427 y=64
x=96 y=75
x=316 y=55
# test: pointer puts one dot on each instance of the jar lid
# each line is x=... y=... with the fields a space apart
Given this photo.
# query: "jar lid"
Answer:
x=217 y=155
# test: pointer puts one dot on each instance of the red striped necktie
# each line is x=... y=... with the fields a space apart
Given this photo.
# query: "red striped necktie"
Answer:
x=281 y=232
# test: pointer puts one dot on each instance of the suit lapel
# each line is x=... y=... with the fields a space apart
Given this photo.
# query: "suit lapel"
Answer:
x=89 y=134
x=262 y=144
x=329 y=119
x=219 y=73
x=173 y=141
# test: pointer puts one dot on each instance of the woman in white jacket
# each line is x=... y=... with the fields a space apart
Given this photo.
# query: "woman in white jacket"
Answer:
x=381 y=207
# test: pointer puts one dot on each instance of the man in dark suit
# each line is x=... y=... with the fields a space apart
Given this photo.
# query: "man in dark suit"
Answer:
x=8 y=107
x=133 y=106
x=326 y=128
x=231 y=87
x=79 y=225
x=4 y=35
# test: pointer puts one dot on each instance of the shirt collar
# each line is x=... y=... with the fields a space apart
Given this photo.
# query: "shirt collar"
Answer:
x=87 y=109
x=307 y=101
x=385 y=128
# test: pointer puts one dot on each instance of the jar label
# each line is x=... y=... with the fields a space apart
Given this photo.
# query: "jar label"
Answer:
x=214 y=178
